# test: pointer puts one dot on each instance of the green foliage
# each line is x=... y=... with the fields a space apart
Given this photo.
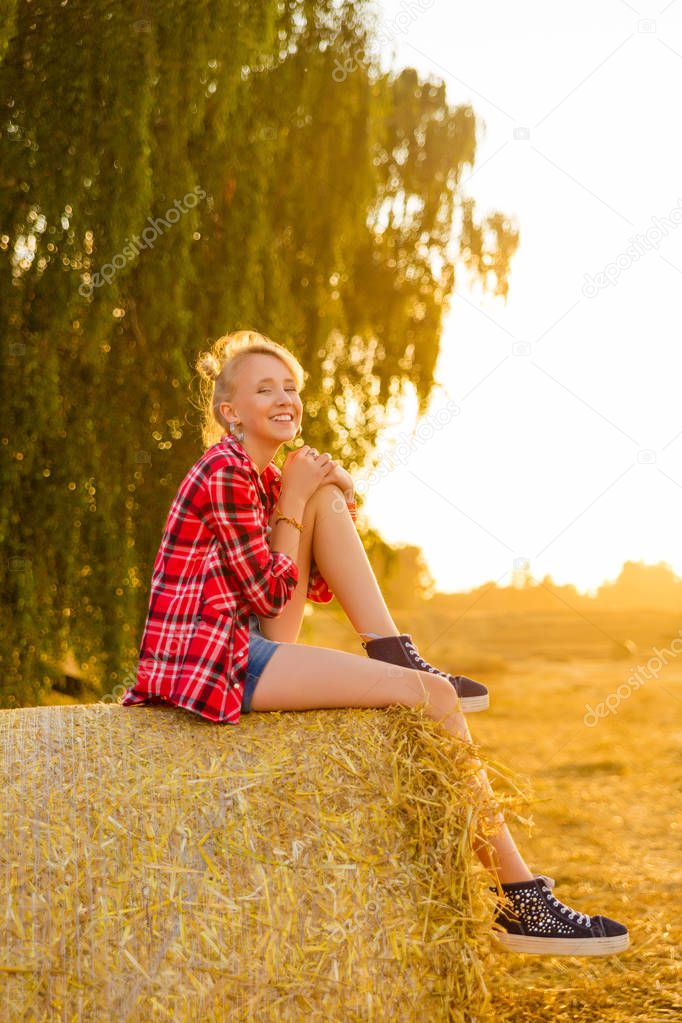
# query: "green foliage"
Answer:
x=316 y=210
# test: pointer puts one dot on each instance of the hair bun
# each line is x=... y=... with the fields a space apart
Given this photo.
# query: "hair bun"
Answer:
x=208 y=366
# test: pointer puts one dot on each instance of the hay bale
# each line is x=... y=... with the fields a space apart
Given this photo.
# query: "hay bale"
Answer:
x=160 y=867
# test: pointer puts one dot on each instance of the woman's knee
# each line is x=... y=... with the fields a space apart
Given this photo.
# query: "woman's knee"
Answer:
x=327 y=495
x=304 y=677
x=433 y=692
x=318 y=501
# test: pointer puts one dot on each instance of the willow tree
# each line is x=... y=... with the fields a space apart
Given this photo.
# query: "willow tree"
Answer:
x=171 y=172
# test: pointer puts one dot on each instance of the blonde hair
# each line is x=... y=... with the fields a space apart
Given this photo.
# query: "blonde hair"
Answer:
x=218 y=368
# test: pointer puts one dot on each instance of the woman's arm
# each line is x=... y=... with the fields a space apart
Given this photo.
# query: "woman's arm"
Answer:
x=267 y=577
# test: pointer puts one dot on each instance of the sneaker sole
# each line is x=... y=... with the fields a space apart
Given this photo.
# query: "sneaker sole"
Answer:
x=473 y=703
x=563 y=946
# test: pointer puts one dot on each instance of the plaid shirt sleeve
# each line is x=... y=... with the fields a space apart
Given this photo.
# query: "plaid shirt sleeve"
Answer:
x=235 y=515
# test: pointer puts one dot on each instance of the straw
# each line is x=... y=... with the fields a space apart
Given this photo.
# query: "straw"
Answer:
x=157 y=866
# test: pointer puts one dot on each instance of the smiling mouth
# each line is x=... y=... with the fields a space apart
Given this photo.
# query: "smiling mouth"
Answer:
x=286 y=418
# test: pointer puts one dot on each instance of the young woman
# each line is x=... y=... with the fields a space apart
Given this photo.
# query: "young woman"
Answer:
x=243 y=548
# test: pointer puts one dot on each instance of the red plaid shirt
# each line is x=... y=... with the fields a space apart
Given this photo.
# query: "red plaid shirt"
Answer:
x=213 y=568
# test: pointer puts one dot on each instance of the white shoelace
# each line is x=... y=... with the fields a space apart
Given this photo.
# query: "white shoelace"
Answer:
x=429 y=667
x=573 y=914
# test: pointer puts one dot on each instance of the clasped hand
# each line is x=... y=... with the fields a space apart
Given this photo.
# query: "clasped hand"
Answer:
x=336 y=474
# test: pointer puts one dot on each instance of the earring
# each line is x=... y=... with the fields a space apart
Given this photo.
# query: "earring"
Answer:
x=233 y=432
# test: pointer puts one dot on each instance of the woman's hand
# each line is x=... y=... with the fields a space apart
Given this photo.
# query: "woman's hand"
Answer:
x=343 y=479
x=328 y=471
x=304 y=470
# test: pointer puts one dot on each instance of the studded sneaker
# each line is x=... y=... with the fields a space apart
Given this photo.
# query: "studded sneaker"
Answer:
x=534 y=921
x=401 y=650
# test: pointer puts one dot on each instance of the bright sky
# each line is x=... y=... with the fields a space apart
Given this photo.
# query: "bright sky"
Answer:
x=565 y=447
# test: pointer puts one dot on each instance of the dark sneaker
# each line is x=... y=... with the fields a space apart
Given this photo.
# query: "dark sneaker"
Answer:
x=533 y=921
x=401 y=650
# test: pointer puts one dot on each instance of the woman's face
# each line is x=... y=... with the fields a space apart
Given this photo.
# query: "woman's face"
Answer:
x=264 y=389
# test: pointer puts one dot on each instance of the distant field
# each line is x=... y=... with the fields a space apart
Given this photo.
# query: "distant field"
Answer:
x=606 y=813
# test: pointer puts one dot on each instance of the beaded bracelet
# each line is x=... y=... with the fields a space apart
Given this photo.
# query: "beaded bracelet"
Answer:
x=285 y=518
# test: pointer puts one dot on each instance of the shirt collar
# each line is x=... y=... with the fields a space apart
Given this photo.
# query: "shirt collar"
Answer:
x=270 y=474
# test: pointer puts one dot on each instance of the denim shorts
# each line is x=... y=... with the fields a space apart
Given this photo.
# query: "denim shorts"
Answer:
x=260 y=652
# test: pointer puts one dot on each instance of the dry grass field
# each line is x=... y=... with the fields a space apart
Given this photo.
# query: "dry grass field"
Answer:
x=604 y=815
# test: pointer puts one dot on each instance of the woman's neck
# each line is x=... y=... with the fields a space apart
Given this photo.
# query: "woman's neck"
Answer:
x=260 y=455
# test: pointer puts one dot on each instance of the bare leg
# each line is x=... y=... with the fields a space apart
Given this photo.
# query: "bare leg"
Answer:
x=342 y=560
x=304 y=678
x=299 y=677
x=330 y=538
